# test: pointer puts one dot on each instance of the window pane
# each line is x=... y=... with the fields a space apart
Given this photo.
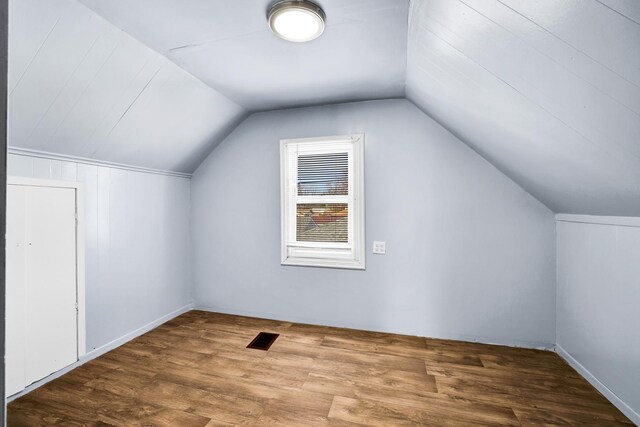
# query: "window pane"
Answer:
x=323 y=174
x=322 y=222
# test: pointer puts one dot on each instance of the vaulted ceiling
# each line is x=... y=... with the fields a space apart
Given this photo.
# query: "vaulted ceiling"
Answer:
x=546 y=90
x=228 y=45
x=81 y=87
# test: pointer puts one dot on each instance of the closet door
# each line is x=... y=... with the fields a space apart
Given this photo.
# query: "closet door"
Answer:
x=41 y=282
x=51 y=316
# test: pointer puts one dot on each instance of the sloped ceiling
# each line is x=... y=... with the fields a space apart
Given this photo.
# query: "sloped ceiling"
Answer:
x=547 y=90
x=228 y=45
x=79 y=86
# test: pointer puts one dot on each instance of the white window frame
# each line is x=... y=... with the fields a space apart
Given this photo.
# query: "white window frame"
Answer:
x=349 y=255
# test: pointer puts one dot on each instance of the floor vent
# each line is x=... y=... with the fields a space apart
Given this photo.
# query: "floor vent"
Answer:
x=263 y=341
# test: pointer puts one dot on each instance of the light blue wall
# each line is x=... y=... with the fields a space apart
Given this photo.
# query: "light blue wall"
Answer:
x=470 y=254
x=136 y=243
x=598 y=299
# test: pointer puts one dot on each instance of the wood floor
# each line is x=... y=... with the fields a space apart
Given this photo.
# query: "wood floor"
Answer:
x=196 y=371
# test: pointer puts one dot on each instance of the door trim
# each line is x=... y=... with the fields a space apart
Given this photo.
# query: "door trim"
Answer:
x=80 y=247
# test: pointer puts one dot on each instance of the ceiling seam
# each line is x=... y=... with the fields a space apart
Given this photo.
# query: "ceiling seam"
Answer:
x=604 y=93
x=526 y=98
x=618 y=12
x=566 y=42
x=158 y=53
x=35 y=55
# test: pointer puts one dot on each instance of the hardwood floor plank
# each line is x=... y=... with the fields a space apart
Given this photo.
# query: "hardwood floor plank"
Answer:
x=33 y=412
x=319 y=352
x=83 y=402
x=507 y=395
x=257 y=371
x=385 y=347
x=437 y=404
x=233 y=386
x=448 y=370
x=279 y=417
x=195 y=370
x=377 y=413
x=381 y=378
x=537 y=417
x=220 y=407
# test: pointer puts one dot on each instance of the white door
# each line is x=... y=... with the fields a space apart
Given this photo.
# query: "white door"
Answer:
x=42 y=322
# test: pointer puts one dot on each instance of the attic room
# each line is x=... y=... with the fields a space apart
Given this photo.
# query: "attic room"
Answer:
x=200 y=195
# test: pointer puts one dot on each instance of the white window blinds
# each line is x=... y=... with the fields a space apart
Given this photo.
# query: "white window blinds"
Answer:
x=323 y=174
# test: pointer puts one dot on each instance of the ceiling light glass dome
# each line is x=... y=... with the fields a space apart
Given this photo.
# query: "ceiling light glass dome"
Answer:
x=296 y=21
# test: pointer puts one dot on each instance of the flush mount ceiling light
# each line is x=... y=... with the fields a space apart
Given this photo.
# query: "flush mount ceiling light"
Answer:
x=296 y=20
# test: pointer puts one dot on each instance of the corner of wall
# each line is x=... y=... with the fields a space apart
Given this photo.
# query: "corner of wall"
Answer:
x=610 y=395
x=222 y=135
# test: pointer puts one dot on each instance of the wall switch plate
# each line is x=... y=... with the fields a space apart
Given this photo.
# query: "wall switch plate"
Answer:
x=379 y=248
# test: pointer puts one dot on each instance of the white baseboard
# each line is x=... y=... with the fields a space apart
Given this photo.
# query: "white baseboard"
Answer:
x=102 y=350
x=534 y=345
x=539 y=345
x=613 y=398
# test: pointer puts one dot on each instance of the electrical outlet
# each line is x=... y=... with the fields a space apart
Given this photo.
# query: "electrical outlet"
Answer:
x=379 y=248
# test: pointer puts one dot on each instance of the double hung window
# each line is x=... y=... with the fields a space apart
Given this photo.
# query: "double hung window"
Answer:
x=323 y=201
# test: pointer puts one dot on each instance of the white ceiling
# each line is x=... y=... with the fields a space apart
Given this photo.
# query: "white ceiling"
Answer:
x=547 y=90
x=79 y=86
x=228 y=45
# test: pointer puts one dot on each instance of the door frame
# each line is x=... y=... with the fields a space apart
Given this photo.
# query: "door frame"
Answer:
x=80 y=247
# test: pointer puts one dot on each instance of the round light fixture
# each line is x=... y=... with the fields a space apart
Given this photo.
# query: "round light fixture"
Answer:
x=296 y=20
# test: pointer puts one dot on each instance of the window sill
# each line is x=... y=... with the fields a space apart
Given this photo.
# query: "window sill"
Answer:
x=325 y=263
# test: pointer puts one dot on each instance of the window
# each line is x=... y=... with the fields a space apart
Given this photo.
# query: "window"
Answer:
x=323 y=201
